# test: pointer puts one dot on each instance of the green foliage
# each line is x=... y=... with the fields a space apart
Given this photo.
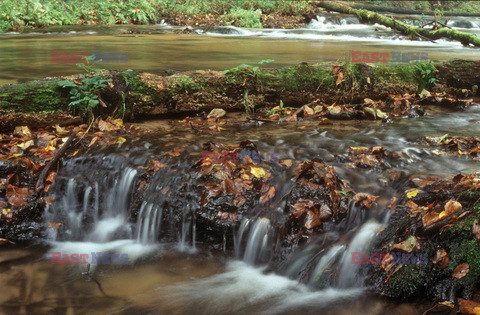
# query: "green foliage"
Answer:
x=243 y=18
x=407 y=280
x=281 y=111
x=466 y=252
x=85 y=97
x=15 y=14
x=183 y=84
x=426 y=72
x=398 y=73
x=306 y=77
x=252 y=77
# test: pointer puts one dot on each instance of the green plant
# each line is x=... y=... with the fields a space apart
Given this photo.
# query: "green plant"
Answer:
x=427 y=75
x=85 y=96
x=281 y=111
x=306 y=77
x=243 y=18
x=183 y=84
x=253 y=77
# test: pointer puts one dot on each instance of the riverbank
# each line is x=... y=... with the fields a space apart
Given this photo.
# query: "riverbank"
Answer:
x=264 y=92
x=226 y=181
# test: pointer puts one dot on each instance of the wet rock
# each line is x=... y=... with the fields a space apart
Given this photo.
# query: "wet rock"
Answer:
x=217 y=113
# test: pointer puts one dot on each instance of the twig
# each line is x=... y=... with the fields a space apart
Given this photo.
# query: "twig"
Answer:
x=41 y=179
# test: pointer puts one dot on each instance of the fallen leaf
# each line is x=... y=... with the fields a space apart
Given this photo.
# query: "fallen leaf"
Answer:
x=406 y=246
x=25 y=145
x=312 y=220
x=51 y=177
x=461 y=271
x=451 y=207
x=476 y=230
x=268 y=195
x=412 y=193
x=325 y=212
x=257 y=172
x=54 y=225
x=468 y=307
x=121 y=140
x=286 y=163
x=239 y=201
x=364 y=200
x=441 y=256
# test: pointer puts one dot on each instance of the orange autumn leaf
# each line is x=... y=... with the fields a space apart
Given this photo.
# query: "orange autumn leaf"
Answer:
x=461 y=271
x=54 y=225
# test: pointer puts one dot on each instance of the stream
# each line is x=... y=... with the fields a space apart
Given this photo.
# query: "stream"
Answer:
x=172 y=269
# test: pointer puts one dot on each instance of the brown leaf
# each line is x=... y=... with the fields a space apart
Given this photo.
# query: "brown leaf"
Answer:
x=325 y=212
x=51 y=177
x=268 y=195
x=231 y=187
x=301 y=206
x=286 y=163
x=451 y=207
x=410 y=204
x=406 y=246
x=461 y=271
x=476 y=230
x=364 y=200
x=156 y=165
x=468 y=307
x=312 y=220
x=54 y=225
x=239 y=201
x=49 y=199
x=441 y=256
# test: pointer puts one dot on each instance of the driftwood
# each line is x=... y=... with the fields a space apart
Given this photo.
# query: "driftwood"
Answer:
x=413 y=32
x=41 y=179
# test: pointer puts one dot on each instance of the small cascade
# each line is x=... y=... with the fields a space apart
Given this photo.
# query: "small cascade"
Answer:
x=348 y=276
x=257 y=233
x=326 y=261
x=93 y=208
x=148 y=223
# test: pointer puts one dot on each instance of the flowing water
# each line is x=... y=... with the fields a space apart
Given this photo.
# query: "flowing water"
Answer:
x=25 y=57
x=170 y=267
x=170 y=271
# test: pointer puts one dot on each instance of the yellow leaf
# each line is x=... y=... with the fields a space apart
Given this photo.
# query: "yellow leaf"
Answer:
x=412 y=193
x=257 y=172
x=25 y=145
x=118 y=121
x=121 y=140
x=13 y=156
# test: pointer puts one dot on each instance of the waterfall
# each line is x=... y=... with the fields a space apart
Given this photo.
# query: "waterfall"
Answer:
x=361 y=242
x=100 y=216
x=258 y=243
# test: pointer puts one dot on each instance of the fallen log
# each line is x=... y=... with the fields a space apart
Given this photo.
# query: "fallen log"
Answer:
x=411 y=31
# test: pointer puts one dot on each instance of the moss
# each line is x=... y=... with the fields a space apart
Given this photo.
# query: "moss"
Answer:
x=466 y=252
x=408 y=280
x=183 y=84
x=306 y=77
x=31 y=97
